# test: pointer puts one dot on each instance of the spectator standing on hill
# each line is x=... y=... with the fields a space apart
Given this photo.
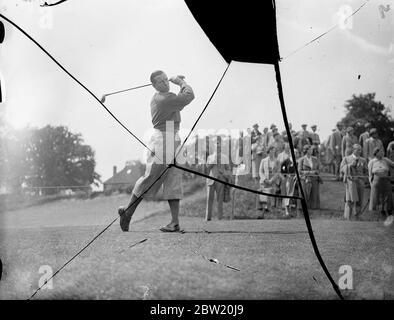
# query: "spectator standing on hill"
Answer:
x=270 y=178
x=285 y=154
x=264 y=141
x=372 y=143
x=288 y=176
x=381 y=197
x=301 y=138
x=335 y=148
x=363 y=138
x=257 y=151
x=218 y=167
x=278 y=143
x=329 y=154
x=315 y=140
x=314 y=136
x=292 y=133
x=355 y=171
x=269 y=137
x=348 y=141
x=309 y=168
x=288 y=184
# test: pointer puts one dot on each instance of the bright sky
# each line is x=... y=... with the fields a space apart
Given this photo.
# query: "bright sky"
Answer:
x=112 y=45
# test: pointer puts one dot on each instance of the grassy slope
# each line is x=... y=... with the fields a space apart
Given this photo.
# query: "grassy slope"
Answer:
x=275 y=257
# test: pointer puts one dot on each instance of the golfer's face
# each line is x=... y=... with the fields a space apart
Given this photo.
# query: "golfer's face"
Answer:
x=161 y=83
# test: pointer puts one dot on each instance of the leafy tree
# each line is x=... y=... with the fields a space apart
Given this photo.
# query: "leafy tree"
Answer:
x=362 y=109
x=48 y=157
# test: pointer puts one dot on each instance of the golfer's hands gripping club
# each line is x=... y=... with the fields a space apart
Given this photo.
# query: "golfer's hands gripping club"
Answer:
x=178 y=80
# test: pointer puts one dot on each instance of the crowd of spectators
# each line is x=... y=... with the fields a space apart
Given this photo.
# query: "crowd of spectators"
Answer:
x=358 y=162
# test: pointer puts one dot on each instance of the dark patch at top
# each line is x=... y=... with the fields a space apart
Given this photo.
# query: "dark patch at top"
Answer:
x=240 y=31
x=2 y=32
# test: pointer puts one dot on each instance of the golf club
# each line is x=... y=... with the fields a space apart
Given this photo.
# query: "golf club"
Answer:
x=120 y=91
x=129 y=89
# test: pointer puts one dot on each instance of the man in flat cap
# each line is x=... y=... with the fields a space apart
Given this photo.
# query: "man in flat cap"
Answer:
x=314 y=136
x=371 y=143
x=303 y=138
x=348 y=141
x=335 y=148
x=304 y=132
x=315 y=140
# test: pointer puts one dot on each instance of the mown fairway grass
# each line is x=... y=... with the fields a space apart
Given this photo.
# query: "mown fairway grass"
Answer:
x=275 y=257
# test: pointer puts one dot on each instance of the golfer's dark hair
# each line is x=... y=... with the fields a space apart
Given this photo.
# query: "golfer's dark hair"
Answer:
x=155 y=74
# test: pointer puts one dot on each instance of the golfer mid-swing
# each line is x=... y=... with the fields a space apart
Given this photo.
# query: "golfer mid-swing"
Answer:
x=166 y=117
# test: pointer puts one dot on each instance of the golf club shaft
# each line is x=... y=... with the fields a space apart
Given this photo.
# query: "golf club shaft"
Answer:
x=111 y=93
x=138 y=87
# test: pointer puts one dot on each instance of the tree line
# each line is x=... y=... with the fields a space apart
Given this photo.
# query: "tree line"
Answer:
x=364 y=109
x=45 y=157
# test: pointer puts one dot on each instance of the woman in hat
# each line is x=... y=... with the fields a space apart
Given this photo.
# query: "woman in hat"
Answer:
x=309 y=167
x=381 y=194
